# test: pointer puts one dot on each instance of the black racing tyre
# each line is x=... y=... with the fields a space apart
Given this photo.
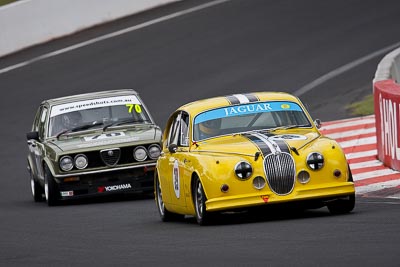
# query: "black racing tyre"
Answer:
x=37 y=190
x=199 y=198
x=342 y=206
x=350 y=175
x=51 y=190
x=165 y=215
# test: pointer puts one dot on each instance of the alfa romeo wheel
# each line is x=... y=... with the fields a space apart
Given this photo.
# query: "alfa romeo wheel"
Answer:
x=51 y=191
x=37 y=190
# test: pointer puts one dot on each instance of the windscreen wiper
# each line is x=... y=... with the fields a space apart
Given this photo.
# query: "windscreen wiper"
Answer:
x=127 y=121
x=80 y=128
x=287 y=127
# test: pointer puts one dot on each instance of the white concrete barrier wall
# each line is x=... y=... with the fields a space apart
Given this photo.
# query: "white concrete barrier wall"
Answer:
x=389 y=67
x=387 y=109
x=29 y=22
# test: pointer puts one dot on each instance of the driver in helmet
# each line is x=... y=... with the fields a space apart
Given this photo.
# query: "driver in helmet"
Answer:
x=71 y=120
x=66 y=121
x=210 y=128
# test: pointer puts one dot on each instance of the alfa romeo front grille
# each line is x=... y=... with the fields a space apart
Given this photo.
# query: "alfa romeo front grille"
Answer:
x=110 y=157
x=280 y=172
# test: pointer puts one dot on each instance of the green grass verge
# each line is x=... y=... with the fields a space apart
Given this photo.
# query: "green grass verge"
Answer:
x=362 y=108
x=5 y=2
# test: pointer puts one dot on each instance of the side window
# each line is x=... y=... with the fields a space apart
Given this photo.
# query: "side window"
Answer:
x=184 y=133
x=36 y=121
x=42 y=122
x=174 y=131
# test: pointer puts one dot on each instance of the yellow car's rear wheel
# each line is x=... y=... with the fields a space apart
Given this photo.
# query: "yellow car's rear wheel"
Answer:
x=165 y=214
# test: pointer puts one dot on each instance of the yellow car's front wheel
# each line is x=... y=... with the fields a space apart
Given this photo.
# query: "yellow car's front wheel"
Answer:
x=202 y=216
x=342 y=205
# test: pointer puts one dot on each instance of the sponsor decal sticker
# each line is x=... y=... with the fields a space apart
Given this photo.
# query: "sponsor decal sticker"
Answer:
x=288 y=137
x=243 y=109
x=104 y=136
x=67 y=193
x=137 y=107
x=96 y=103
x=111 y=188
x=176 y=179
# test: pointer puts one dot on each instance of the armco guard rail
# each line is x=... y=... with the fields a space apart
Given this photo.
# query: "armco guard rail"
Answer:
x=387 y=109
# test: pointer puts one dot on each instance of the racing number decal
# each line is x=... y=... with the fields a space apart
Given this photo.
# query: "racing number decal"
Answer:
x=175 y=179
x=137 y=107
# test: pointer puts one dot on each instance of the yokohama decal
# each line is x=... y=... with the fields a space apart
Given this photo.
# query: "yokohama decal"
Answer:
x=110 y=188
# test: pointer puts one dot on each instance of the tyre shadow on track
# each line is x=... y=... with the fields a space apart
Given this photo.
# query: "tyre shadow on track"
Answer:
x=107 y=199
x=264 y=214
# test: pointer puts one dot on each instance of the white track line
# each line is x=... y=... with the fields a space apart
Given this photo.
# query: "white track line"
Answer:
x=113 y=34
x=343 y=69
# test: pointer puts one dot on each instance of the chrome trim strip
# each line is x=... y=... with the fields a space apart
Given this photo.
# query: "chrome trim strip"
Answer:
x=105 y=170
x=220 y=152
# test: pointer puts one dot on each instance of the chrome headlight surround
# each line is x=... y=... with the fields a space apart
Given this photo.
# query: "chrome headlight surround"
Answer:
x=303 y=176
x=154 y=151
x=315 y=161
x=81 y=161
x=66 y=163
x=243 y=170
x=259 y=182
x=140 y=153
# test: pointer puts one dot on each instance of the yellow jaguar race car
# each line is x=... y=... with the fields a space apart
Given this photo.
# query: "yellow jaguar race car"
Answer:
x=247 y=150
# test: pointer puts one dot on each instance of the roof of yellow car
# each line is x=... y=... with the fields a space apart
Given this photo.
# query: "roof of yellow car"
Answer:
x=235 y=99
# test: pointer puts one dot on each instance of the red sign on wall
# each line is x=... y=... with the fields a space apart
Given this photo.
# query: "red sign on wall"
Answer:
x=387 y=119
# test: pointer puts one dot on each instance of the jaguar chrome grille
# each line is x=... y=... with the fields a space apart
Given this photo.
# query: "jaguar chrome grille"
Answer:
x=110 y=157
x=280 y=172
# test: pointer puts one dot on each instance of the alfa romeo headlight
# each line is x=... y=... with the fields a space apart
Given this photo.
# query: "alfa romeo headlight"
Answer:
x=315 y=161
x=154 y=151
x=140 y=153
x=243 y=170
x=81 y=161
x=66 y=163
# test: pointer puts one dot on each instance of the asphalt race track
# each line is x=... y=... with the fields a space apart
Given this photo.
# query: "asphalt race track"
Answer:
x=233 y=47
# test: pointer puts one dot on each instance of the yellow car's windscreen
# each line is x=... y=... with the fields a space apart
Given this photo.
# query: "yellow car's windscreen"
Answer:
x=248 y=117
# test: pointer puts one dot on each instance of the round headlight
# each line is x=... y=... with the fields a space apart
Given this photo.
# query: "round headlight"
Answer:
x=66 y=163
x=140 y=153
x=243 y=170
x=81 y=161
x=315 y=161
x=303 y=177
x=154 y=151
